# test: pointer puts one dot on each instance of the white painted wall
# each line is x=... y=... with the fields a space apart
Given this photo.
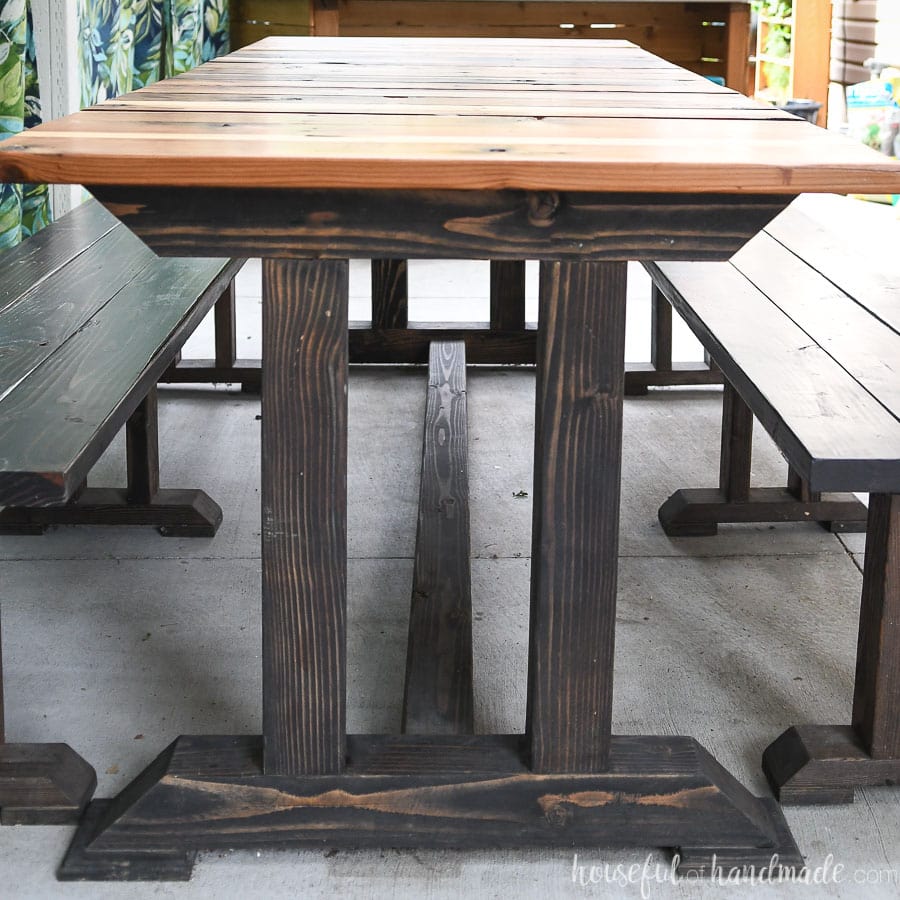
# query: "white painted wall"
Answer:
x=56 y=44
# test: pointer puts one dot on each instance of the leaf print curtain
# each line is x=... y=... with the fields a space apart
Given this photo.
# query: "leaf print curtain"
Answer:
x=128 y=44
x=24 y=208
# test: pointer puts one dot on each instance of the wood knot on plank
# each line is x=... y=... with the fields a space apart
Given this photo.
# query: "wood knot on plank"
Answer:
x=542 y=208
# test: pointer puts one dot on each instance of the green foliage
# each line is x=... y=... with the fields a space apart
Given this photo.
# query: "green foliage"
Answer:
x=24 y=208
x=128 y=44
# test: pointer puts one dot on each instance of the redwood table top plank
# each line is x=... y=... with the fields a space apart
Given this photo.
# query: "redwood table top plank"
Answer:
x=413 y=113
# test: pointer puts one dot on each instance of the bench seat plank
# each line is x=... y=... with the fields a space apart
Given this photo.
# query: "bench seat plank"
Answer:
x=858 y=341
x=851 y=243
x=29 y=263
x=42 y=319
x=56 y=421
x=833 y=432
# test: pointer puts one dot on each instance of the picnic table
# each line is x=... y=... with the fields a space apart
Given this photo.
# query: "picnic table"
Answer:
x=309 y=152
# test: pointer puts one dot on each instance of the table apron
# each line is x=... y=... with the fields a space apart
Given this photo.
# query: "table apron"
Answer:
x=373 y=224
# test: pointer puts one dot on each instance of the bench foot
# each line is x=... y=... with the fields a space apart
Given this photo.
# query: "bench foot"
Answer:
x=43 y=784
x=694 y=512
x=824 y=764
x=639 y=377
x=176 y=513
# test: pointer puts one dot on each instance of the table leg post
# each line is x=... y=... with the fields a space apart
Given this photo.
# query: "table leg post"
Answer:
x=577 y=464
x=304 y=515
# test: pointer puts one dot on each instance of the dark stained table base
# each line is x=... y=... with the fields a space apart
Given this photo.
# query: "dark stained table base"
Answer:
x=390 y=338
x=207 y=793
x=566 y=781
x=43 y=784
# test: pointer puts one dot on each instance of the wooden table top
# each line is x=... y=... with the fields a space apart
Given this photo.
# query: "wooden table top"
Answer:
x=422 y=113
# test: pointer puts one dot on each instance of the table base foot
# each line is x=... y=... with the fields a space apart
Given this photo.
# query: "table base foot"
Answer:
x=81 y=864
x=823 y=764
x=417 y=791
x=708 y=862
x=43 y=784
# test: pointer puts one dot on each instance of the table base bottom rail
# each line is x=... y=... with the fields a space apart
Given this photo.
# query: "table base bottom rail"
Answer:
x=451 y=792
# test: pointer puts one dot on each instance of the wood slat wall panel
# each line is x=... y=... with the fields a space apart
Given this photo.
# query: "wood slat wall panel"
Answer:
x=696 y=35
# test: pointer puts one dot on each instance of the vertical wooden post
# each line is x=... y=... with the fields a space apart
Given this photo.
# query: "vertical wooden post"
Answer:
x=575 y=531
x=799 y=487
x=304 y=515
x=737 y=447
x=737 y=48
x=390 y=293
x=811 y=47
x=660 y=331
x=142 y=450
x=225 y=322
x=507 y=295
x=2 y=712
x=324 y=18
x=876 y=697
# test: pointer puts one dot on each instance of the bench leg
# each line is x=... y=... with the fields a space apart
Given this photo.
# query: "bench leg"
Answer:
x=225 y=368
x=825 y=763
x=176 y=513
x=660 y=371
x=41 y=784
x=697 y=512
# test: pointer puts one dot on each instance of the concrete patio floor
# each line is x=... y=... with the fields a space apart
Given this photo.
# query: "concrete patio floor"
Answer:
x=116 y=641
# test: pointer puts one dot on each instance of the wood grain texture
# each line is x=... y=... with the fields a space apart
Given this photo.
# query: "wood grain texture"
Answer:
x=507 y=295
x=834 y=432
x=492 y=225
x=25 y=266
x=142 y=449
x=876 y=699
x=225 y=322
x=736 y=454
x=823 y=765
x=438 y=695
x=390 y=302
x=131 y=338
x=304 y=515
x=697 y=512
x=577 y=465
x=209 y=792
x=173 y=512
x=410 y=144
x=43 y=784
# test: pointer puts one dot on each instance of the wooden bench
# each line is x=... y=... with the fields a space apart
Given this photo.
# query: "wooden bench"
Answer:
x=89 y=320
x=805 y=325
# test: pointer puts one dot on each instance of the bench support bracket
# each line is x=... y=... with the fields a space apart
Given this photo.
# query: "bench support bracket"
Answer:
x=176 y=513
x=825 y=763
